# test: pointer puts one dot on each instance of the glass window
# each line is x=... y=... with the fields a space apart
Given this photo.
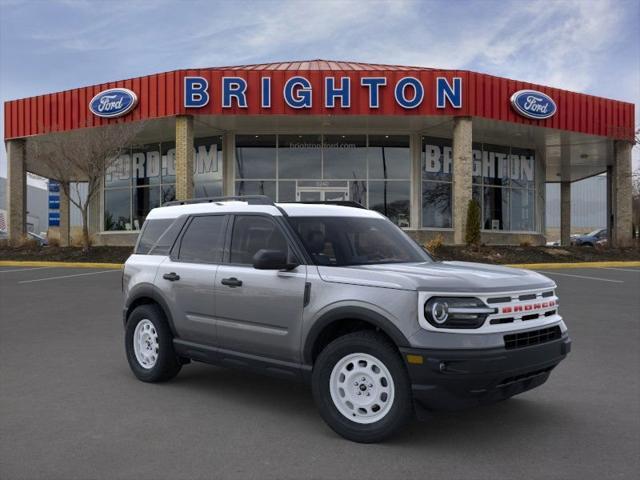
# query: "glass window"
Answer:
x=436 y=204
x=117 y=209
x=146 y=164
x=522 y=167
x=345 y=156
x=392 y=199
x=168 y=162
x=144 y=199
x=118 y=173
x=151 y=232
x=496 y=208
x=163 y=245
x=389 y=157
x=203 y=240
x=522 y=210
x=168 y=193
x=342 y=241
x=286 y=191
x=300 y=156
x=437 y=163
x=207 y=167
x=252 y=233
x=495 y=165
x=257 y=187
x=255 y=156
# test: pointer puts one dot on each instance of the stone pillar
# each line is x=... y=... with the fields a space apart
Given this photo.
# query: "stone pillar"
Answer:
x=228 y=164
x=462 y=175
x=184 y=157
x=16 y=191
x=565 y=213
x=65 y=217
x=416 y=180
x=621 y=184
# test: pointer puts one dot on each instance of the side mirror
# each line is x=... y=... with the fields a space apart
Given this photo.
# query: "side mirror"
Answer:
x=272 y=260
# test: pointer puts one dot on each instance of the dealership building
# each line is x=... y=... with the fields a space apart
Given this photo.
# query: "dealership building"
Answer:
x=414 y=143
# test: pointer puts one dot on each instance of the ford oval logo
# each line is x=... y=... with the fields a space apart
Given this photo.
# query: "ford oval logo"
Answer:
x=114 y=102
x=533 y=104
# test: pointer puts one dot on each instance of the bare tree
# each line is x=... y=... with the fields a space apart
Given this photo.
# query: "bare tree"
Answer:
x=82 y=156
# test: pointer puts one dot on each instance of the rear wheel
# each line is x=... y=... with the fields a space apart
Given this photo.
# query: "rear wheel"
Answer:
x=149 y=345
x=362 y=388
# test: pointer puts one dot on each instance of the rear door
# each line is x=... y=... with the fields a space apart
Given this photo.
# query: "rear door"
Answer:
x=259 y=311
x=187 y=278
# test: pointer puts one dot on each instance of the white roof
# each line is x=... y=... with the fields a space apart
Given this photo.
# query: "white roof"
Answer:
x=234 y=206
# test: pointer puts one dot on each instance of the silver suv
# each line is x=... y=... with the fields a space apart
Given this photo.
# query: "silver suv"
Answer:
x=338 y=296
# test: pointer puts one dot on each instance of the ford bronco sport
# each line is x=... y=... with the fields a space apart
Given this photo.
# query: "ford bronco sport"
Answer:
x=340 y=297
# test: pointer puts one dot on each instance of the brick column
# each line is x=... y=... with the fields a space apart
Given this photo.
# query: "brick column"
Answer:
x=565 y=213
x=184 y=157
x=462 y=175
x=65 y=218
x=228 y=164
x=621 y=184
x=16 y=191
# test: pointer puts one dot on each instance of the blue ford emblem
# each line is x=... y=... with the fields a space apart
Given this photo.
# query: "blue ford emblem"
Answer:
x=533 y=104
x=114 y=102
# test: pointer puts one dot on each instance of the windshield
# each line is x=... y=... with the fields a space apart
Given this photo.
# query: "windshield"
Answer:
x=345 y=241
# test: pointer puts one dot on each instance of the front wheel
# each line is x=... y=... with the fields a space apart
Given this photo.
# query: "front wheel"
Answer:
x=362 y=388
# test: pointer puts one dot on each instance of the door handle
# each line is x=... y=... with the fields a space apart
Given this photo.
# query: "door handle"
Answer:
x=231 y=282
x=172 y=277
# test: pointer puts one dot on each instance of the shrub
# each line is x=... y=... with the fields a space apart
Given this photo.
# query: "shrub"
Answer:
x=472 y=233
x=435 y=244
x=525 y=243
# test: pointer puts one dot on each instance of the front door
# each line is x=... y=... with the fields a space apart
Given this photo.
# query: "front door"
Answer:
x=322 y=191
x=259 y=311
x=187 y=279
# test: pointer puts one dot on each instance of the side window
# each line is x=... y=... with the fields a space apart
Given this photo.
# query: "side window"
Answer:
x=203 y=240
x=151 y=232
x=252 y=233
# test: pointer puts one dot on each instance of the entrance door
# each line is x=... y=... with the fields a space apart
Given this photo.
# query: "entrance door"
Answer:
x=322 y=192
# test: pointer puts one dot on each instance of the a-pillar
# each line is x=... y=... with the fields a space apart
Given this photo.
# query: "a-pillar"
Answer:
x=565 y=213
x=462 y=175
x=184 y=157
x=16 y=191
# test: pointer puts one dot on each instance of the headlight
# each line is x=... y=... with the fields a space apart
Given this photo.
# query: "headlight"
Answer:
x=456 y=312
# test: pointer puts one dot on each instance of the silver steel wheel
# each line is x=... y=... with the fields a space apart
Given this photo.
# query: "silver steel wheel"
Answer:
x=145 y=343
x=362 y=388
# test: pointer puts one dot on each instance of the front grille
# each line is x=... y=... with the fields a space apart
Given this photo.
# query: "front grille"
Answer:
x=534 y=337
x=523 y=377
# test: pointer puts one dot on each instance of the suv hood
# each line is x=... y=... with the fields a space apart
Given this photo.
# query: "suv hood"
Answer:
x=438 y=277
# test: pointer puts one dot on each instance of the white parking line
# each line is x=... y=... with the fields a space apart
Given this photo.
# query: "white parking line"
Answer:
x=637 y=270
x=24 y=269
x=67 y=276
x=581 y=276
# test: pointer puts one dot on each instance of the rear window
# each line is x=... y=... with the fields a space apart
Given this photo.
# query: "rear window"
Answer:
x=157 y=236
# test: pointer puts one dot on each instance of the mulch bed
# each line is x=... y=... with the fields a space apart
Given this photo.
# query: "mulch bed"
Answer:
x=487 y=254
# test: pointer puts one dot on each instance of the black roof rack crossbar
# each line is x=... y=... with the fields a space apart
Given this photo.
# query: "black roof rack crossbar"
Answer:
x=250 y=199
x=342 y=203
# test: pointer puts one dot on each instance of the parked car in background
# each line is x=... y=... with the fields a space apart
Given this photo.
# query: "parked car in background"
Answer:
x=590 y=239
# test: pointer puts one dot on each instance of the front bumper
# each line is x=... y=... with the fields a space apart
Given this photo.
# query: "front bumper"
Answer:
x=449 y=379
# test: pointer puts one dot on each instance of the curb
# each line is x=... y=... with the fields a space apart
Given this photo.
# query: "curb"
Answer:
x=117 y=266
x=28 y=263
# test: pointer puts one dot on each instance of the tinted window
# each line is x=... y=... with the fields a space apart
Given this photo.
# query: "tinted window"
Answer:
x=167 y=239
x=344 y=241
x=252 y=233
x=151 y=232
x=203 y=240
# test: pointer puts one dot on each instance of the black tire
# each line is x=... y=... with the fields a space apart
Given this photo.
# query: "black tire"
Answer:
x=167 y=364
x=378 y=346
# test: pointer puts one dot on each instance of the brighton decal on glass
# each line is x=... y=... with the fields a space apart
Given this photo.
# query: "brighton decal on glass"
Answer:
x=113 y=103
x=533 y=104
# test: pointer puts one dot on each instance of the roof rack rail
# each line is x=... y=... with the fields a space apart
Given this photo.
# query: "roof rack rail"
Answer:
x=250 y=199
x=342 y=203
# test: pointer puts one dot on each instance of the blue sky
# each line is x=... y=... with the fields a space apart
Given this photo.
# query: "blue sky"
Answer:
x=582 y=45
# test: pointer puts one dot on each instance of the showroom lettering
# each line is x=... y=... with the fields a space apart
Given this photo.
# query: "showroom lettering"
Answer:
x=152 y=163
x=485 y=163
x=297 y=92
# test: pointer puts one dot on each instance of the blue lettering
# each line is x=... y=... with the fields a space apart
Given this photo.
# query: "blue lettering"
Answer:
x=297 y=92
x=234 y=87
x=266 y=92
x=400 y=92
x=196 y=93
x=331 y=92
x=374 y=84
x=445 y=92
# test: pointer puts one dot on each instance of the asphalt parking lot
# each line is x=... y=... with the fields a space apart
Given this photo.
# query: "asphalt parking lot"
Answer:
x=70 y=408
